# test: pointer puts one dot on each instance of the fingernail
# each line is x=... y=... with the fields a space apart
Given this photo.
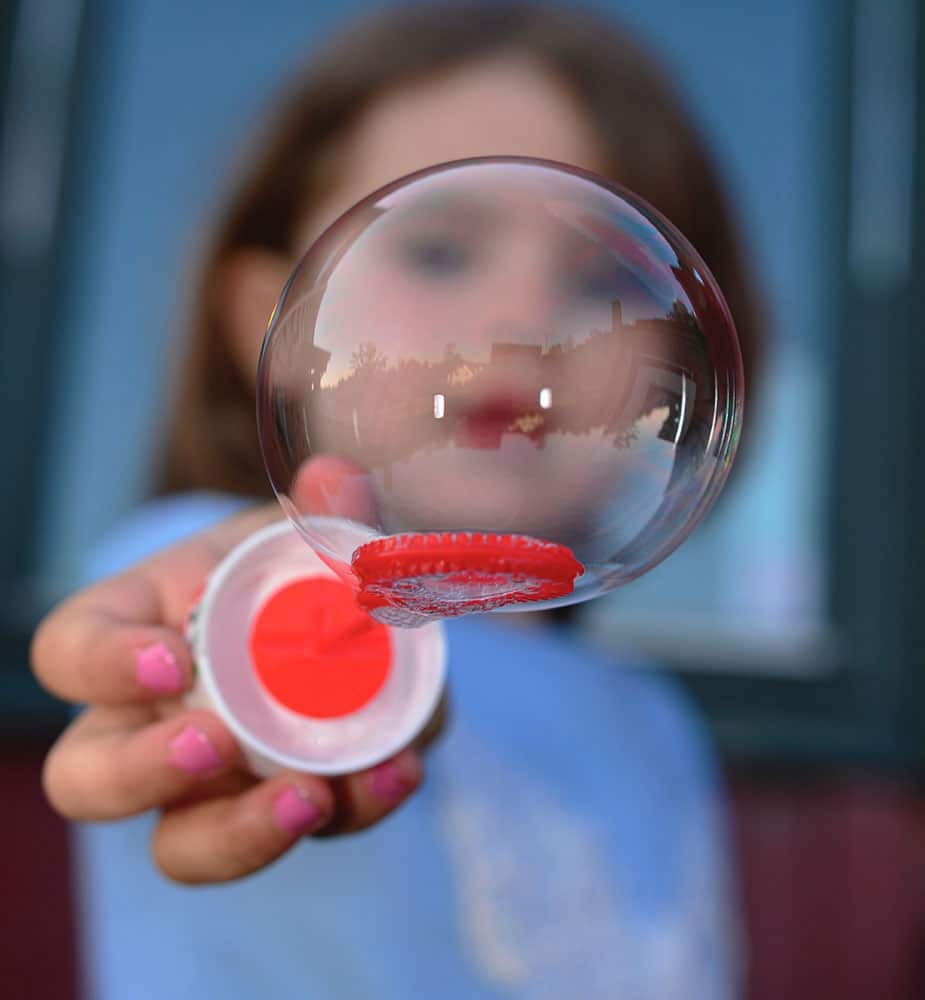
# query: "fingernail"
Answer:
x=193 y=751
x=393 y=780
x=157 y=669
x=295 y=813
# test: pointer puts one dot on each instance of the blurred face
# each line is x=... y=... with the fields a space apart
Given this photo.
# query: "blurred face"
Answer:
x=458 y=331
x=506 y=107
x=510 y=107
x=507 y=436
x=424 y=269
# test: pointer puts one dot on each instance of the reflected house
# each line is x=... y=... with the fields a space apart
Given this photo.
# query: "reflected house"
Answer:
x=288 y=409
x=615 y=377
x=604 y=384
x=316 y=363
x=668 y=367
x=506 y=354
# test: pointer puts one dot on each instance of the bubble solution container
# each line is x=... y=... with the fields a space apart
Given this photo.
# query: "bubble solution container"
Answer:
x=495 y=385
x=305 y=679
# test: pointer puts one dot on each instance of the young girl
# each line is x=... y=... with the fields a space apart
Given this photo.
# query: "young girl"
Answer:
x=569 y=838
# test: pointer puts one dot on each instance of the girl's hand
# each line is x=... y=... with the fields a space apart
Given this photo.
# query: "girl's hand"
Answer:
x=119 y=647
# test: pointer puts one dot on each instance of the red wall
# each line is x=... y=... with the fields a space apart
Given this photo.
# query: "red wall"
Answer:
x=37 y=958
x=832 y=876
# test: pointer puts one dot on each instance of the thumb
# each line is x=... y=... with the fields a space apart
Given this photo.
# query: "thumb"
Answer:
x=334 y=486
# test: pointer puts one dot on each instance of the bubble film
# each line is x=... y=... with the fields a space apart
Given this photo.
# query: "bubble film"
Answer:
x=517 y=381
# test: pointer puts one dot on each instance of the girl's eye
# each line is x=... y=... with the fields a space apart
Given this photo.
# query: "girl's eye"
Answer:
x=437 y=257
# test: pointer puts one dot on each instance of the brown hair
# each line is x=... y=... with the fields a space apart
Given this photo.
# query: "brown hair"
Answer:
x=641 y=127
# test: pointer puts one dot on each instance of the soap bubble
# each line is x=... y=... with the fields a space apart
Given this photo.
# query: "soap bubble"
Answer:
x=515 y=382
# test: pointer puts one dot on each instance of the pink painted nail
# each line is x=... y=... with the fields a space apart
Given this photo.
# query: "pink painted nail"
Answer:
x=193 y=751
x=295 y=813
x=393 y=780
x=157 y=669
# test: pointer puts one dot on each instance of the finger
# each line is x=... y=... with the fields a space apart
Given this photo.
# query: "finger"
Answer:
x=369 y=796
x=221 y=786
x=227 y=838
x=121 y=640
x=111 y=662
x=332 y=485
x=112 y=763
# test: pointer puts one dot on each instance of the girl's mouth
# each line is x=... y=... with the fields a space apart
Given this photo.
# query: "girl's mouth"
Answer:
x=483 y=422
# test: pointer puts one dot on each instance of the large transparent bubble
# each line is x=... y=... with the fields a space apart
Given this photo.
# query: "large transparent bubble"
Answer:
x=497 y=384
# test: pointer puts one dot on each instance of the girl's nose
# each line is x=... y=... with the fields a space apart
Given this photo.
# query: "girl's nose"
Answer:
x=520 y=302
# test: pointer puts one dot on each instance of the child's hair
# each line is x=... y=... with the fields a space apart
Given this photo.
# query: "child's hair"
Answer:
x=644 y=134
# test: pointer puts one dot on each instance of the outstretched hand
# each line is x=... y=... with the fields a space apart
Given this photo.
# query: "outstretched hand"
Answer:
x=119 y=648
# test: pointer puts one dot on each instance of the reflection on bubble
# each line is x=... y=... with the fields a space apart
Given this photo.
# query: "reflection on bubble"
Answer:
x=500 y=347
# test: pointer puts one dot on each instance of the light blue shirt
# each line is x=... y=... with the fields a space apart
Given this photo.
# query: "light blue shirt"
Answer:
x=568 y=842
